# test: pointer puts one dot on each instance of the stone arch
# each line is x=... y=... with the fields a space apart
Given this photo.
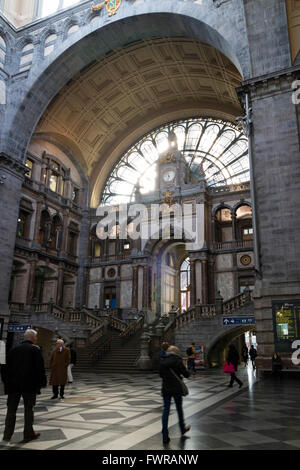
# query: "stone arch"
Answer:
x=220 y=342
x=221 y=206
x=132 y=24
x=240 y=204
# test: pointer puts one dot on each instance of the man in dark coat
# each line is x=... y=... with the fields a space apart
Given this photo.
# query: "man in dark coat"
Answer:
x=24 y=375
x=233 y=358
x=171 y=387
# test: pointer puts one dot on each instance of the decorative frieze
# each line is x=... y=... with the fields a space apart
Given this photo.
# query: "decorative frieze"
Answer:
x=12 y=166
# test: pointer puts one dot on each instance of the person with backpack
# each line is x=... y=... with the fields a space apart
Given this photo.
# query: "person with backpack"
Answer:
x=191 y=354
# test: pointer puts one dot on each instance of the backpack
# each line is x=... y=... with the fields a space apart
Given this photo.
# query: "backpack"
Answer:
x=189 y=351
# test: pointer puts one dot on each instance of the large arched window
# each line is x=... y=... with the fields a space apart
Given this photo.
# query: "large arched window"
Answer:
x=185 y=283
x=214 y=146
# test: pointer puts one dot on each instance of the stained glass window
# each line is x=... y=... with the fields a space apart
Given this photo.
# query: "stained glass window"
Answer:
x=217 y=147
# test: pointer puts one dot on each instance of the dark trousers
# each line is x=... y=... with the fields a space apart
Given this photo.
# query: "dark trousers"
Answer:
x=55 y=390
x=13 y=401
x=234 y=378
x=191 y=364
x=166 y=411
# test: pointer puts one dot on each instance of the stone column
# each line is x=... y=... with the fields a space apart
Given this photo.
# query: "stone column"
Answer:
x=135 y=286
x=12 y=175
x=37 y=221
x=193 y=282
x=275 y=165
x=31 y=281
x=60 y=286
x=234 y=234
x=145 y=287
x=204 y=282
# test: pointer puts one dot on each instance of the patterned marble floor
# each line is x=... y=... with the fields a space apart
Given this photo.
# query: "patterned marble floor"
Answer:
x=121 y=412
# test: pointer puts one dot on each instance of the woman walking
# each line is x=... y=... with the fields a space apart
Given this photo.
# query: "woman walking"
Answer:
x=233 y=358
x=171 y=369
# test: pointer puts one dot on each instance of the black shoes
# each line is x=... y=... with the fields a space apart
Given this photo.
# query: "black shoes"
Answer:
x=166 y=440
x=36 y=435
x=241 y=384
x=186 y=429
x=54 y=396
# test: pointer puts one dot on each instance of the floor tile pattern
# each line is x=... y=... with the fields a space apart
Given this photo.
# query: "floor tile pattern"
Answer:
x=122 y=412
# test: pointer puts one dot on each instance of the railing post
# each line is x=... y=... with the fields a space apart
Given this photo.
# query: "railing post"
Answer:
x=50 y=305
x=173 y=313
x=219 y=303
x=144 y=362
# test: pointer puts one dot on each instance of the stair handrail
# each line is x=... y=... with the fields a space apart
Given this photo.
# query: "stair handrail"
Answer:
x=133 y=327
x=116 y=323
x=237 y=301
x=97 y=333
x=101 y=349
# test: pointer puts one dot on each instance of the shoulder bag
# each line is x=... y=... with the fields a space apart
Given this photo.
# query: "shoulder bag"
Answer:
x=184 y=389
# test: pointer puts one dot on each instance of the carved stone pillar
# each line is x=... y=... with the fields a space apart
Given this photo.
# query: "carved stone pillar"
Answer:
x=31 y=281
x=145 y=287
x=60 y=287
x=12 y=174
x=193 y=282
x=135 y=285
x=204 y=282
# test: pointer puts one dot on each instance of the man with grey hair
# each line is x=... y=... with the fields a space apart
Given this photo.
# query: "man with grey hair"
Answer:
x=24 y=375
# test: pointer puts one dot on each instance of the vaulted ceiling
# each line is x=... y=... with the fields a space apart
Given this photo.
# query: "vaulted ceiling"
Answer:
x=107 y=107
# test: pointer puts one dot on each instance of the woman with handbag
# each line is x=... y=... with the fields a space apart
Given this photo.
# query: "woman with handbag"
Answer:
x=171 y=370
x=233 y=358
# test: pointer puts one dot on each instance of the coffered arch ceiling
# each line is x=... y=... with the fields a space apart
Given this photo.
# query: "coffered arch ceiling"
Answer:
x=106 y=108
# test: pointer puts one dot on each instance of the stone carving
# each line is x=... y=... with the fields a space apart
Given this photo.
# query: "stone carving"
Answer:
x=111 y=6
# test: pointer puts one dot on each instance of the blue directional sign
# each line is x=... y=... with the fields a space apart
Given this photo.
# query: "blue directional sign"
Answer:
x=18 y=328
x=230 y=321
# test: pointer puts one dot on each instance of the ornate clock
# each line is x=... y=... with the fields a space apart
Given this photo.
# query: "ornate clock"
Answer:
x=168 y=176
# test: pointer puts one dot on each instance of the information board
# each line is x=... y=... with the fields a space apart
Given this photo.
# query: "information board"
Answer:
x=18 y=328
x=286 y=316
x=199 y=360
x=229 y=321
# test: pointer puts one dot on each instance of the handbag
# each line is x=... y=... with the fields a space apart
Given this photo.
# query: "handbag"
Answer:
x=228 y=368
x=184 y=389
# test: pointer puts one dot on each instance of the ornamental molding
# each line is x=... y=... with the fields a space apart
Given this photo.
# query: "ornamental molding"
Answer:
x=12 y=166
x=267 y=85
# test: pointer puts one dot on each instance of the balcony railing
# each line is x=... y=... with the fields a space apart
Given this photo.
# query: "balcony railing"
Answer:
x=233 y=245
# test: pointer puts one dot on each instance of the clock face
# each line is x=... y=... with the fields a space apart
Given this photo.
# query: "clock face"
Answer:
x=168 y=176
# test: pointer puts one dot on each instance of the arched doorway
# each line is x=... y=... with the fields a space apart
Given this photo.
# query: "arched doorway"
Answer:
x=217 y=352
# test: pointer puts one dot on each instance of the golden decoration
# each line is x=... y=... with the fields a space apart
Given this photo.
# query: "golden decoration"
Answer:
x=168 y=158
x=111 y=6
x=168 y=199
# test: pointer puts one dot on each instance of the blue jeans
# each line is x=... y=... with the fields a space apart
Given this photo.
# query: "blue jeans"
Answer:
x=166 y=411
